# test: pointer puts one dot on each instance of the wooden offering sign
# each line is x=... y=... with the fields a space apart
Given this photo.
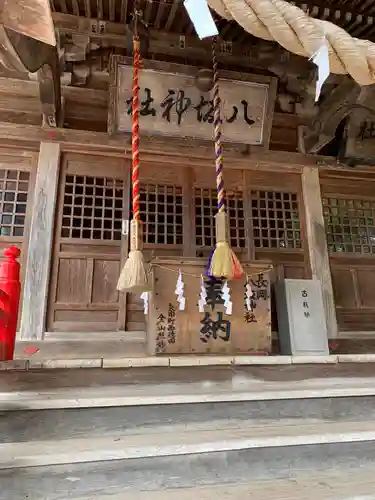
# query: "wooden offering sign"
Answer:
x=209 y=324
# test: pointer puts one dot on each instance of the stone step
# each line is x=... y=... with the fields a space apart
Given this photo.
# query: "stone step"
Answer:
x=161 y=387
x=356 y=485
x=127 y=431
x=182 y=440
x=121 y=421
x=327 y=472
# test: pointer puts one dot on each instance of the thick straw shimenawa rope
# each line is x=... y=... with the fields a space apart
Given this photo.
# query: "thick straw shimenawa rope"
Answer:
x=279 y=21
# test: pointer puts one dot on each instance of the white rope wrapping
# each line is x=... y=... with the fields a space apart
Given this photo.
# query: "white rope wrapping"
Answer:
x=279 y=21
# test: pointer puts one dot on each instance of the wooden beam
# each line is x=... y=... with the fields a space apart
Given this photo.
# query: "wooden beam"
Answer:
x=14 y=88
x=21 y=98
x=317 y=244
x=99 y=9
x=88 y=8
x=321 y=10
x=18 y=116
x=36 y=281
x=112 y=10
x=148 y=11
x=50 y=91
x=20 y=104
x=75 y=7
x=159 y=14
x=63 y=6
x=156 y=149
x=124 y=10
x=161 y=42
x=172 y=15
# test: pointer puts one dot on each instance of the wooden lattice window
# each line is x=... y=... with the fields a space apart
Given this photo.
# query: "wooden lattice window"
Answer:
x=92 y=208
x=205 y=210
x=161 y=211
x=276 y=221
x=350 y=225
x=14 y=186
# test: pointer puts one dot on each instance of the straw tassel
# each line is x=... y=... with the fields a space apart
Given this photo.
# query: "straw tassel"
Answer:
x=133 y=277
x=223 y=263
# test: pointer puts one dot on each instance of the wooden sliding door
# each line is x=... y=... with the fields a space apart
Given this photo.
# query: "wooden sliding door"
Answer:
x=93 y=201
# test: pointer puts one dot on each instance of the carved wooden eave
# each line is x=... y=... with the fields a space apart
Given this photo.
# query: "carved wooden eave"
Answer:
x=84 y=35
x=330 y=114
x=357 y=18
x=361 y=149
x=31 y=19
x=22 y=54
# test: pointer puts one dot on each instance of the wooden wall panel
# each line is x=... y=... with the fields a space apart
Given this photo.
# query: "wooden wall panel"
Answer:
x=105 y=273
x=353 y=320
x=365 y=281
x=343 y=286
x=71 y=281
x=349 y=208
x=354 y=293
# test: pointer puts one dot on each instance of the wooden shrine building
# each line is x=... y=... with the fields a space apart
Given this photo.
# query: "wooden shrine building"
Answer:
x=299 y=176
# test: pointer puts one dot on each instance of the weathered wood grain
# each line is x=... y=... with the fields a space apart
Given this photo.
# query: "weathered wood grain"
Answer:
x=317 y=244
x=180 y=332
x=40 y=243
x=29 y=136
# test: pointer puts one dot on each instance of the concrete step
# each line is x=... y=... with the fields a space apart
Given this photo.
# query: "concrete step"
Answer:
x=154 y=425
x=67 y=388
x=122 y=421
x=329 y=472
x=324 y=486
x=181 y=441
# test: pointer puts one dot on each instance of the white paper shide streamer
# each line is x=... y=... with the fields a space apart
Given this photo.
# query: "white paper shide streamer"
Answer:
x=180 y=292
x=226 y=297
x=248 y=295
x=201 y=17
x=144 y=297
x=202 y=296
x=321 y=59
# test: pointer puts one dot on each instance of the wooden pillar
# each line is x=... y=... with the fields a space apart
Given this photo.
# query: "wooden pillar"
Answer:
x=38 y=260
x=189 y=241
x=249 y=231
x=121 y=322
x=318 y=251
